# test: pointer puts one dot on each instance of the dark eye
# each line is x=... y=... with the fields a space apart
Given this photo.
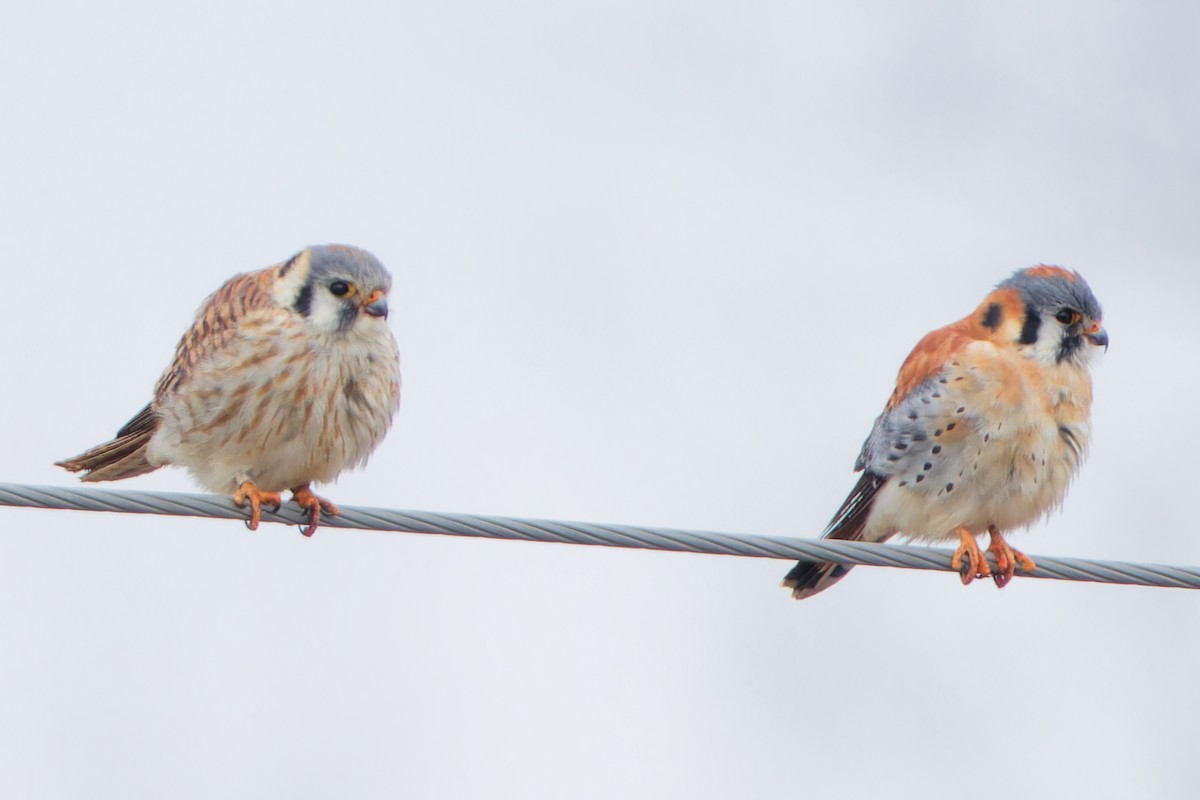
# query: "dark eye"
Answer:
x=341 y=288
x=1068 y=316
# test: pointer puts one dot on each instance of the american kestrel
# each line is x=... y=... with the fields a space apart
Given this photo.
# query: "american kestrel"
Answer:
x=989 y=422
x=288 y=376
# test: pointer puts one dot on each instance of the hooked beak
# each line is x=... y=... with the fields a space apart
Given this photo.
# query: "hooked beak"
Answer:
x=1097 y=336
x=375 y=304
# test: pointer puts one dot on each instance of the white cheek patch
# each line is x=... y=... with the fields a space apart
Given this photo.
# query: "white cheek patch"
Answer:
x=292 y=279
x=1049 y=340
x=325 y=313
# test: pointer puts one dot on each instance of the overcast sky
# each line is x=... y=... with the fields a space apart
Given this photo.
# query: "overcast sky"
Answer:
x=655 y=263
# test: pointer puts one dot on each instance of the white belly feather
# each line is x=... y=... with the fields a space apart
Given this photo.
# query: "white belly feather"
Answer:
x=975 y=452
x=281 y=407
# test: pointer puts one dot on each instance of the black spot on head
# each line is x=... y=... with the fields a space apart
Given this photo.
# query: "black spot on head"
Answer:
x=304 y=300
x=1029 y=331
x=1048 y=290
x=992 y=317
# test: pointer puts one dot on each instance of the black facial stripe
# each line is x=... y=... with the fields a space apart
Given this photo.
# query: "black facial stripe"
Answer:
x=291 y=262
x=1029 y=331
x=347 y=315
x=991 y=319
x=304 y=300
x=1070 y=346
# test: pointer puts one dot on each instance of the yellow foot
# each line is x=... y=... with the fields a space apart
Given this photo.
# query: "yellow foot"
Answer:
x=976 y=565
x=314 y=506
x=1008 y=558
x=257 y=498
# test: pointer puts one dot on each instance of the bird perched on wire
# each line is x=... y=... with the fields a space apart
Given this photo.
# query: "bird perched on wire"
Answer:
x=989 y=422
x=288 y=376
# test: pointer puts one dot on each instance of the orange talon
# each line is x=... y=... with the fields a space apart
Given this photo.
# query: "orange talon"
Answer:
x=1008 y=558
x=314 y=505
x=976 y=565
x=257 y=497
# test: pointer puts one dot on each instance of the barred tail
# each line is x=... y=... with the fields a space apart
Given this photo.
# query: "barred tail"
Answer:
x=807 y=578
x=123 y=457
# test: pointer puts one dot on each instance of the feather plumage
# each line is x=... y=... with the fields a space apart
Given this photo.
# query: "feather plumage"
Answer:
x=988 y=423
x=287 y=375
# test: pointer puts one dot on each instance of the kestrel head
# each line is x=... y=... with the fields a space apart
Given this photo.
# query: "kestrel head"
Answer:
x=1048 y=311
x=335 y=287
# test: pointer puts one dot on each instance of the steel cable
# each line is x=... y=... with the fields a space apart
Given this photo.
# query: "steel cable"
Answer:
x=587 y=533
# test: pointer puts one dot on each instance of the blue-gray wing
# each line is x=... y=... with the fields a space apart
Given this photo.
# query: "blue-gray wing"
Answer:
x=910 y=438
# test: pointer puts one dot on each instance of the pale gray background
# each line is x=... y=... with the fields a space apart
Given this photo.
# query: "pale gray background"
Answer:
x=654 y=263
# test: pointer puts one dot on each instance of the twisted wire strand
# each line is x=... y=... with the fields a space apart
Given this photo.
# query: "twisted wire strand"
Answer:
x=587 y=533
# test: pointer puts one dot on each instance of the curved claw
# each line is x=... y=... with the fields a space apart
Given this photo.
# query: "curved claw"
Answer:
x=976 y=565
x=1008 y=558
x=314 y=505
x=257 y=498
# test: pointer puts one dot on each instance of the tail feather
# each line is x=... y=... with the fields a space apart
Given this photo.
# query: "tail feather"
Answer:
x=123 y=457
x=810 y=577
